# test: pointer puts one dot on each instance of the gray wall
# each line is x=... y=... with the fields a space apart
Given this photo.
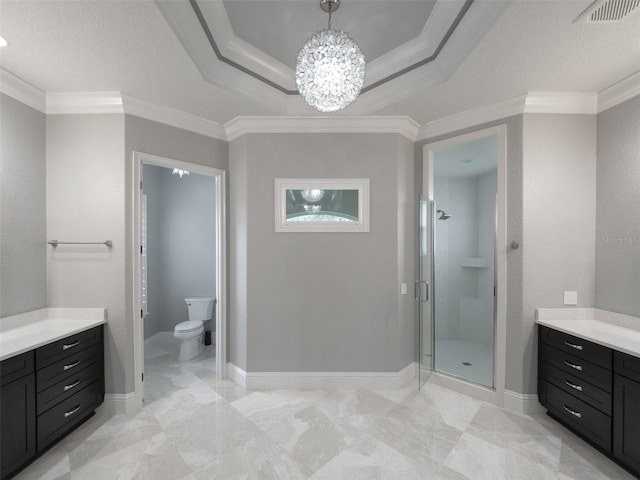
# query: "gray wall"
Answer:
x=322 y=301
x=514 y=327
x=85 y=203
x=23 y=260
x=618 y=209
x=559 y=190
x=550 y=212
x=181 y=244
x=147 y=136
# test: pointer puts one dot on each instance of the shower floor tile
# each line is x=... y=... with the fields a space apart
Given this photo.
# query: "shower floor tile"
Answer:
x=464 y=359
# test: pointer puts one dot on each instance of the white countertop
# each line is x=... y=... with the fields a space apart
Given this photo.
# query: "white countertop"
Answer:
x=616 y=331
x=24 y=332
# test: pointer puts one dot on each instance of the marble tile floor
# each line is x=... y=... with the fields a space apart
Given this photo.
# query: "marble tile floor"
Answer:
x=195 y=427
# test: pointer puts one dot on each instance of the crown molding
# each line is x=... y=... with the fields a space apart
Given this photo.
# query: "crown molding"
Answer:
x=70 y=103
x=370 y=124
x=561 y=102
x=173 y=117
x=22 y=91
x=619 y=92
x=472 y=118
x=532 y=102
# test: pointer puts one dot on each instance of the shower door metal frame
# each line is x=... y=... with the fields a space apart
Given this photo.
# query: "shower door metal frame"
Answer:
x=428 y=280
x=496 y=395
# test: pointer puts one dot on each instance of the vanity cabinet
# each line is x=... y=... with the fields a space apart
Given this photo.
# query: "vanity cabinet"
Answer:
x=17 y=412
x=626 y=411
x=594 y=390
x=47 y=392
x=576 y=384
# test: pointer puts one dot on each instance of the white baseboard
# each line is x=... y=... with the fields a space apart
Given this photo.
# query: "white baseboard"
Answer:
x=522 y=404
x=126 y=403
x=320 y=380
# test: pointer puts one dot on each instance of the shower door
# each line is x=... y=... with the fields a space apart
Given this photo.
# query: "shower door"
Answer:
x=424 y=291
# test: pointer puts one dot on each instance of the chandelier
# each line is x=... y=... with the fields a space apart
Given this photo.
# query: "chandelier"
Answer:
x=330 y=67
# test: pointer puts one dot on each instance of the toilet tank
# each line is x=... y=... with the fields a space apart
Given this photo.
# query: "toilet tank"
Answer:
x=200 y=308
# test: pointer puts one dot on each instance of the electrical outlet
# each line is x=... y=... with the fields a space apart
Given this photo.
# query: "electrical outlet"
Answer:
x=570 y=298
x=403 y=289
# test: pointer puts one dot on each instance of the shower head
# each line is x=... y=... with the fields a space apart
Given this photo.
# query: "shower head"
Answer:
x=443 y=215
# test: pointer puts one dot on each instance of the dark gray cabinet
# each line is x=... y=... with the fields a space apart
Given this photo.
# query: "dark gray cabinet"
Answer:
x=47 y=392
x=575 y=384
x=593 y=390
x=626 y=411
x=17 y=412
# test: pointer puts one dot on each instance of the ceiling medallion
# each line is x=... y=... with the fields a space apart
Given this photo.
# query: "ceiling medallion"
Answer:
x=330 y=67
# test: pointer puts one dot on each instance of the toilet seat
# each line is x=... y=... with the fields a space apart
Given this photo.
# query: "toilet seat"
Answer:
x=188 y=326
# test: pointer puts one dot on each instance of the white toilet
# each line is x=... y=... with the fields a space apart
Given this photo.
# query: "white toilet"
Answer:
x=190 y=333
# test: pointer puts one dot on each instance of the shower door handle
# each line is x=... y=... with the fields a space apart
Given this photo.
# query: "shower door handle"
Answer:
x=418 y=291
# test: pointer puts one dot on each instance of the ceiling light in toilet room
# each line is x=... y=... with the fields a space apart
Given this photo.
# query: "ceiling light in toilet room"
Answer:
x=3 y=42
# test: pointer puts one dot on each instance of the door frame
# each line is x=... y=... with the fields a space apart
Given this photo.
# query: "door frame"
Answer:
x=221 y=261
x=493 y=395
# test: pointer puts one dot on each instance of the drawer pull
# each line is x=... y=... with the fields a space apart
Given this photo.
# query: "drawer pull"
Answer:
x=70 y=345
x=573 y=365
x=71 y=412
x=69 y=387
x=573 y=345
x=573 y=385
x=575 y=414
x=71 y=365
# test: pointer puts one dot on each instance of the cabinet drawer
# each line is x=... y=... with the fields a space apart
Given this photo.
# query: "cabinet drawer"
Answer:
x=627 y=365
x=67 y=367
x=67 y=346
x=68 y=387
x=583 y=349
x=16 y=367
x=584 y=419
x=67 y=414
x=577 y=387
x=578 y=367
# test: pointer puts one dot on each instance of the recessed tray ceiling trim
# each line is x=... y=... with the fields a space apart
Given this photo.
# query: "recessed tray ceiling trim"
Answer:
x=207 y=31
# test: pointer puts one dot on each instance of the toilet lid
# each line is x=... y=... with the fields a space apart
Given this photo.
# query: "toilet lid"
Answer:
x=188 y=326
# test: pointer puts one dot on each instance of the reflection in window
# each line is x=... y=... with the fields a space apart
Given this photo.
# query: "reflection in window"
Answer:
x=318 y=205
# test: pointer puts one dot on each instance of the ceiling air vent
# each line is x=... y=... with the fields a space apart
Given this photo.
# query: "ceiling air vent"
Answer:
x=607 y=11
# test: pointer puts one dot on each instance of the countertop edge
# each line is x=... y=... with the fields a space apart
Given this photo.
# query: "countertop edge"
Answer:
x=580 y=329
x=46 y=336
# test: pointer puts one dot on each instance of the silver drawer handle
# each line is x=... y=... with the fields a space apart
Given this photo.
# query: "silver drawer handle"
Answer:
x=70 y=345
x=573 y=365
x=71 y=365
x=71 y=412
x=573 y=385
x=573 y=345
x=575 y=414
x=69 y=387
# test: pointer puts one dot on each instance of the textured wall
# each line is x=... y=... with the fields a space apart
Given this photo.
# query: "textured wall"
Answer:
x=514 y=292
x=181 y=243
x=618 y=209
x=23 y=261
x=559 y=190
x=322 y=301
x=85 y=203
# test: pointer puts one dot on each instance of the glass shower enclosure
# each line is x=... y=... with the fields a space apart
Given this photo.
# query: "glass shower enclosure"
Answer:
x=457 y=284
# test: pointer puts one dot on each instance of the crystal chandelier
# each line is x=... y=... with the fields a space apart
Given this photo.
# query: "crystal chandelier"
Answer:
x=330 y=67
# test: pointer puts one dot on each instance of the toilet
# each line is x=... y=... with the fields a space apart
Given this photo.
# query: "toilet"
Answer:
x=190 y=333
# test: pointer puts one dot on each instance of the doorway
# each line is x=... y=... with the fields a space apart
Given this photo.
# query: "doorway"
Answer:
x=464 y=185
x=179 y=237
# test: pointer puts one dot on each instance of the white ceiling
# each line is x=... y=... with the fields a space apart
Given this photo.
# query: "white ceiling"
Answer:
x=469 y=159
x=130 y=46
